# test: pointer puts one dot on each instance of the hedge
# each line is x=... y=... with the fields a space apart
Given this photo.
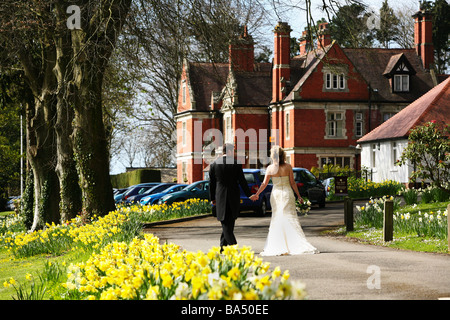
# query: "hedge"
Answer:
x=137 y=176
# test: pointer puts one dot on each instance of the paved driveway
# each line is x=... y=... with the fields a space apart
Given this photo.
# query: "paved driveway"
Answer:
x=343 y=269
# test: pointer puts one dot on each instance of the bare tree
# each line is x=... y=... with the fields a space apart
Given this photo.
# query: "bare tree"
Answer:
x=405 y=27
x=64 y=64
x=158 y=37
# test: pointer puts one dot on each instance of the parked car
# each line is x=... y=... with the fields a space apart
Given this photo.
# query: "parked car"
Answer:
x=155 y=189
x=196 y=190
x=255 y=178
x=119 y=191
x=136 y=189
x=309 y=186
x=154 y=198
x=119 y=194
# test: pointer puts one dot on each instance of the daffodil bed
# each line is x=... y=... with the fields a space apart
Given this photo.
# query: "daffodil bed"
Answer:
x=123 y=263
x=146 y=269
x=422 y=227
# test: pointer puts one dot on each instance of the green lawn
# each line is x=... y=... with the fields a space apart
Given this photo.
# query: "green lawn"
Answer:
x=402 y=240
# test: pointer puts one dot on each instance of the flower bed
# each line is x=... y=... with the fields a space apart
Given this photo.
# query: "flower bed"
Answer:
x=124 y=264
x=90 y=234
x=429 y=223
x=145 y=269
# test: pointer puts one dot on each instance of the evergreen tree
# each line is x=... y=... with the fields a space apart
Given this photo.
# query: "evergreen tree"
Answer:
x=388 y=30
x=441 y=32
x=349 y=27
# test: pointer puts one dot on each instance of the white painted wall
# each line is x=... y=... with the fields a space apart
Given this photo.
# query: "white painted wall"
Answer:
x=384 y=168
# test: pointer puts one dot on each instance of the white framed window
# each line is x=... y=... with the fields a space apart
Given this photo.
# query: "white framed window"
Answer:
x=374 y=153
x=335 y=81
x=287 y=125
x=183 y=133
x=401 y=83
x=328 y=81
x=338 y=161
x=183 y=93
x=394 y=152
x=359 y=124
x=228 y=130
x=184 y=171
x=341 y=81
x=335 y=124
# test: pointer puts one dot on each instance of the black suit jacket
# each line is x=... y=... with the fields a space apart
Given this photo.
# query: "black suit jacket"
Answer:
x=225 y=176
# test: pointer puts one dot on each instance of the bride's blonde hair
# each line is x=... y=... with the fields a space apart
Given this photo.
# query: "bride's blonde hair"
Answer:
x=277 y=150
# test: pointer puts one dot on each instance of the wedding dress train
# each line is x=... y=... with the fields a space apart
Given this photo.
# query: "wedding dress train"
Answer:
x=285 y=235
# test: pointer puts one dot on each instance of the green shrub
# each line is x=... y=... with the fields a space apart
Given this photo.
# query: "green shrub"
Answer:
x=130 y=178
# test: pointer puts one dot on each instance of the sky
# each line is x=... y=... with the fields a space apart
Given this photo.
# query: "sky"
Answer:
x=297 y=20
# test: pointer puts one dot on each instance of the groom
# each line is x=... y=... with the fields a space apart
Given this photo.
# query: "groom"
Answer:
x=225 y=176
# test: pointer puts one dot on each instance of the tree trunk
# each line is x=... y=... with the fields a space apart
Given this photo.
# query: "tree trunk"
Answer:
x=41 y=156
x=89 y=138
x=70 y=191
x=92 y=47
x=91 y=151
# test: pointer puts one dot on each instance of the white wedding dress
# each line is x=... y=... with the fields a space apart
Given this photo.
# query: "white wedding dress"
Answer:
x=286 y=235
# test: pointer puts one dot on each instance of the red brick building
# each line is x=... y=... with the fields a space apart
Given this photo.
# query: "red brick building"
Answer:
x=318 y=104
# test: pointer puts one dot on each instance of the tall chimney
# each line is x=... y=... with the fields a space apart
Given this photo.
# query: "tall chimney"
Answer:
x=281 y=63
x=324 y=35
x=305 y=42
x=423 y=37
x=242 y=52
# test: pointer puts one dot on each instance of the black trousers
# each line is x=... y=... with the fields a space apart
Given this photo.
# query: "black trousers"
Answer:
x=227 y=238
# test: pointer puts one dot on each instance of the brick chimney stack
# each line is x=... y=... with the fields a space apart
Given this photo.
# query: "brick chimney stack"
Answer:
x=305 y=42
x=242 y=52
x=324 y=35
x=281 y=62
x=423 y=37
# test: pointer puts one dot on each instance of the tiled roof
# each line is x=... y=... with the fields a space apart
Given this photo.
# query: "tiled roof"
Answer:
x=255 y=88
x=206 y=78
x=372 y=64
x=434 y=105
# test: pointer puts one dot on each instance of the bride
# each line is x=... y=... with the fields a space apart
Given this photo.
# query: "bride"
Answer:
x=285 y=236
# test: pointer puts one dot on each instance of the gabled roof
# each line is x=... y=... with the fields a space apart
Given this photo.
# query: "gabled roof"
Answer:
x=372 y=64
x=306 y=64
x=434 y=105
x=255 y=88
x=206 y=78
x=395 y=62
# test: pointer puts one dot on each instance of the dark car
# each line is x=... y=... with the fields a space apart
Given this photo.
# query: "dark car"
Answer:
x=309 y=186
x=196 y=190
x=153 y=198
x=133 y=190
x=155 y=189
x=255 y=178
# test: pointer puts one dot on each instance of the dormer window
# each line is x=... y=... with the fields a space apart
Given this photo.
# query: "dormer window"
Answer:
x=399 y=72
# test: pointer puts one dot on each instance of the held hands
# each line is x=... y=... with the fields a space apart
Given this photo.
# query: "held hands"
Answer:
x=254 y=197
